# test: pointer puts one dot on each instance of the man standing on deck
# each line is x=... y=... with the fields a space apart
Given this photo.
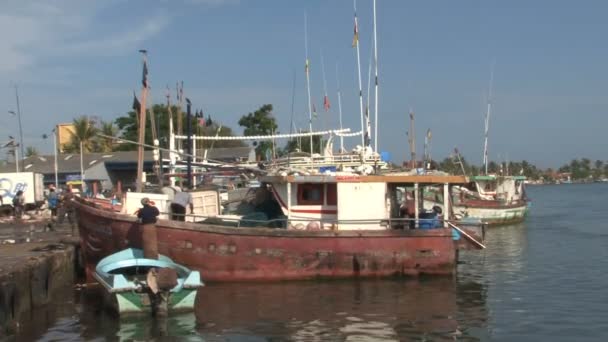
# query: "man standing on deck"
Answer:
x=181 y=200
x=148 y=215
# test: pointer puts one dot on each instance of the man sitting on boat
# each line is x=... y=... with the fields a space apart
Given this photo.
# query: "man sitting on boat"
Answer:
x=148 y=215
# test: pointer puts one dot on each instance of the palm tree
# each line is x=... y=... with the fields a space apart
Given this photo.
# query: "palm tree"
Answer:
x=104 y=144
x=31 y=152
x=85 y=132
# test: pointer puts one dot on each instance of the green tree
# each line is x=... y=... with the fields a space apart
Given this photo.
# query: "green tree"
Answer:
x=598 y=170
x=129 y=128
x=85 y=132
x=31 y=151
x=109 y=129
x=260 y=122
x=294 y=144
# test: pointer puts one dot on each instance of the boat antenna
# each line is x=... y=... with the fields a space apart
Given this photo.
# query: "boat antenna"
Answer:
x=339 y=108
x=487 y=120
x=369 y=79
x=307 y=69
x=412 y=140
x=326 y=103
x=293 y=101
x=364 y=133
x=427 y=147
x=376 y=82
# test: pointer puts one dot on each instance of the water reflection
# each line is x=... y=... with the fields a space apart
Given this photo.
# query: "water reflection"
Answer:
x=369 y=310
x=505 y=255
x=347 y=310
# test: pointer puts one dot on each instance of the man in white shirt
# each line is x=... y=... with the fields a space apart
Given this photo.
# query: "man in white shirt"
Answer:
x=181 y=200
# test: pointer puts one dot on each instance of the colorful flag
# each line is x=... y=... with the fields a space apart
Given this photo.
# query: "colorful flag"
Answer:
x=144 y=77
x=326 y=104
x=136 y=104
x=356 y=35
x=201 y=121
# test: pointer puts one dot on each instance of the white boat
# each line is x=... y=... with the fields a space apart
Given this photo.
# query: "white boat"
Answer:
x=491 y=199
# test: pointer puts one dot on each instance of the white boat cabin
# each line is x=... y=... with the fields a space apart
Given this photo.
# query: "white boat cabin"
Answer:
x=354 y=202
x=507 y=189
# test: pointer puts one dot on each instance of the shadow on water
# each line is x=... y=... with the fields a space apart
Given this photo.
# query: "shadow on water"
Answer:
x=366 y=310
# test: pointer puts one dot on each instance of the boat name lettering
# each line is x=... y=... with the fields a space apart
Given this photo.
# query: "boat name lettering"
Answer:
x=348 y=178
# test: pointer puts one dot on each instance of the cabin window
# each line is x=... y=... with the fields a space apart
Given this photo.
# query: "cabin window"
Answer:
x=332 y=194
x=310 y=194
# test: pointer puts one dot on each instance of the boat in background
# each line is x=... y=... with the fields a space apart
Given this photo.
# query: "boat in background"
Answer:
x=134 y=284
x=491 y=199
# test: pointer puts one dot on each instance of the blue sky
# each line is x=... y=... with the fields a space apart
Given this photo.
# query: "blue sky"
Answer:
x=73 y=58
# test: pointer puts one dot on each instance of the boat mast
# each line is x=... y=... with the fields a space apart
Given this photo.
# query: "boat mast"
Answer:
x=412 y=139
x=180 y=117
x=293 y=101
x=339 y=108
x=307 y=69
x=172 y=156
x=364 y=132
x=427 y=148
x=487 y=122
x=376 y=83
x=142 y=123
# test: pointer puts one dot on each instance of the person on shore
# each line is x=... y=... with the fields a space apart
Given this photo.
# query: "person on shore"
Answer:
x=19 y=204
x=148 y=215
x=181 y=200
x=52 y=203
x=67 y=209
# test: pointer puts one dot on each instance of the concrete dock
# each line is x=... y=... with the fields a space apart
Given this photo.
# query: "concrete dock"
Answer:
x=35 y=262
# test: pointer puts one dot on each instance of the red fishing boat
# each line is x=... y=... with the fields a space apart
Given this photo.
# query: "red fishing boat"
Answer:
x=327 y=226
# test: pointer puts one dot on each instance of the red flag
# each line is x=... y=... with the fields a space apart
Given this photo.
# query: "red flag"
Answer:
x=326 y=103
x=201 y=121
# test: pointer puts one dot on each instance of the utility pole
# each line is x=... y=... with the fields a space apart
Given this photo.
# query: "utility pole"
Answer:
x=19 y=118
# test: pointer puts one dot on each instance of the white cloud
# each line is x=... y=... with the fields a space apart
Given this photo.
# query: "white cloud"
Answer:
x=34 y=30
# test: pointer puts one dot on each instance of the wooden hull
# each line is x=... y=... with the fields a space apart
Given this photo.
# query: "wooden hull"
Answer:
x=260 y=254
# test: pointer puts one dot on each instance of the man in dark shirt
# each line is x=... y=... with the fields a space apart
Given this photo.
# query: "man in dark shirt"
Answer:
x=148 y=215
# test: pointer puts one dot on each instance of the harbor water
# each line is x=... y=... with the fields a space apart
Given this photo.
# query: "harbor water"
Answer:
x=544 y=280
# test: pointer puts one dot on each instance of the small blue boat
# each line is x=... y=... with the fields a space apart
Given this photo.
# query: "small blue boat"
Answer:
x=130 y=283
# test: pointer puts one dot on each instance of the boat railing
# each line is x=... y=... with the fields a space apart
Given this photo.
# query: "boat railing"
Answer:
x=421 y=223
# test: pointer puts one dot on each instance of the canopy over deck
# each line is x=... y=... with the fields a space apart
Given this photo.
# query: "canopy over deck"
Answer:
x=353 y=178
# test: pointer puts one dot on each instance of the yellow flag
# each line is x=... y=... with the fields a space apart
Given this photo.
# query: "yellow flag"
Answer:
x=356 y=35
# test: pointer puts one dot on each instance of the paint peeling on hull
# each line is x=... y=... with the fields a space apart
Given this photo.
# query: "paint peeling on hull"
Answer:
x=260 y=254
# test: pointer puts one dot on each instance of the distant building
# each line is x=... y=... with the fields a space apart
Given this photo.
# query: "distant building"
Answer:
x=107 y=169
x=64 y=135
